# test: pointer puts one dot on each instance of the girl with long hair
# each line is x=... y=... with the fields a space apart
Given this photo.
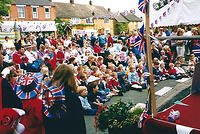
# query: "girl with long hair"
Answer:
x=61 y=106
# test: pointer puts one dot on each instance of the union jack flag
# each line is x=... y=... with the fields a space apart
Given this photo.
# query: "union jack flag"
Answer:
x=53 y=100
x=139 y=42
x=155 y=40
x=144 y=115
x=196 y=49
x=142 y=5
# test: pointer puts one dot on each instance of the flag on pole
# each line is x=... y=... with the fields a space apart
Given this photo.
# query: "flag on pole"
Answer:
x=142 y=5
x=139 y=42
x=155 y=40
x=144 y=115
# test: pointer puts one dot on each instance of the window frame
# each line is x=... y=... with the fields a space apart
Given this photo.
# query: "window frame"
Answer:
x=20 y=12
x=47 y=14
x=36 y=7
x=90 y=20
x=76 y=21
x=106 y=20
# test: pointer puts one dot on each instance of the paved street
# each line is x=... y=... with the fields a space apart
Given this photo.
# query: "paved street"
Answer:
x=140 y=97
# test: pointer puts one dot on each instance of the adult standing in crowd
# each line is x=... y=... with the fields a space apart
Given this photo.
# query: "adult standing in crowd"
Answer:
x=40 y=40
x=180 y=48
x=123 y=37
x=93 y=40
x=110 y=40
x=102 y=40
x=65 y=115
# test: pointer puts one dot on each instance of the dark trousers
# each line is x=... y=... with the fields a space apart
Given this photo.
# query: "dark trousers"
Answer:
x=54 y=126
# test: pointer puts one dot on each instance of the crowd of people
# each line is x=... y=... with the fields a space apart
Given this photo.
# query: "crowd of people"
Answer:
x=81 y=73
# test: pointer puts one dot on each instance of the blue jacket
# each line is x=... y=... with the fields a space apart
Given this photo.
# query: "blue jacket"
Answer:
x=133 y=77
x=84 y=102
x=102 y=39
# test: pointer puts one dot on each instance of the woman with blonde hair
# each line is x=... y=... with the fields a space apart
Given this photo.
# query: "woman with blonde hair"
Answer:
x=62 y=110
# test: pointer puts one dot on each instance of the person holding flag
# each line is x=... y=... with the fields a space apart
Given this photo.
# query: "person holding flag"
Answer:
x=139 y=47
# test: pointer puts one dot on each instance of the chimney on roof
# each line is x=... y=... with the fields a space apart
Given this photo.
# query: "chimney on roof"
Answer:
x=90 y=2
x=108 y=9
x=72 y=1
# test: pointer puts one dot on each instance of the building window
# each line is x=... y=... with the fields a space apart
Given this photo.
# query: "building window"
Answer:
x=76 y=21
x=107 y=31
x=89 y=21
x=35 y=12
x=106 y=20
x=47 y=13
x=21 y=13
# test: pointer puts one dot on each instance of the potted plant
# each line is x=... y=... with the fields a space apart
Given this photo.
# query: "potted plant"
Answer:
x=119 y=118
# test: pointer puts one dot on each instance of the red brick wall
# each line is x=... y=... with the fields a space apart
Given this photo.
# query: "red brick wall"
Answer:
x=29 y=14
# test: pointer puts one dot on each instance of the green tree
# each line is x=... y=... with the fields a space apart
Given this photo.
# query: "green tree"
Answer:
x=4 y=8
x=121 y=27
x=61 y=25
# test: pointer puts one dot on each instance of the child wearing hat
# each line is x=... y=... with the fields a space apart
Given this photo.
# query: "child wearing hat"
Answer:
x=82 y=91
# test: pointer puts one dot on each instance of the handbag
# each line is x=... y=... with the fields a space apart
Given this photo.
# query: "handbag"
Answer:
x=9 y=117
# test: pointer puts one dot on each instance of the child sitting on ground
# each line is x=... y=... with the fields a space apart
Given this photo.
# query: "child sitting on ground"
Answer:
x=172 y=72
x=156 y=72
x=133 y=78
x=103 y=69
x=114 y=83
x=93 y=98
x=82 y=91
x=179 y=69
x=121 y=76
x=163 y=71
x=142 y=74
x=105 y=85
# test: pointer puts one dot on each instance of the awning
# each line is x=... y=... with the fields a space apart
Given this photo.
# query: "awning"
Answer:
x=28 y=26
x=177 y=12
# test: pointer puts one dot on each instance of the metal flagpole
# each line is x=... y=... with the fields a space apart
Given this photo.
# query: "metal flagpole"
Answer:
x=149 y=58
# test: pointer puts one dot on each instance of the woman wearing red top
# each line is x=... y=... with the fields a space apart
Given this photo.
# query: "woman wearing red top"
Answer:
x=97 y=48
x=60 y=54
x=110 y=41
x=53 y=59
x=53 y=41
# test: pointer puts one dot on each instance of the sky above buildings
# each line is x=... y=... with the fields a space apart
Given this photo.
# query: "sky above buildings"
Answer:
x=114 y=5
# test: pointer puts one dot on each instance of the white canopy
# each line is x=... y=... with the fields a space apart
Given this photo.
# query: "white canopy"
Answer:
x=28 y=26
x=175 y=13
